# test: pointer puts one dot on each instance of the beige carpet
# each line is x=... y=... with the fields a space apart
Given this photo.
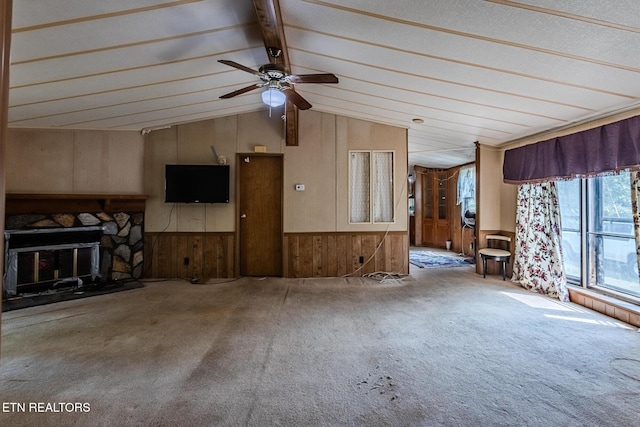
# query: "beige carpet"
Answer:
x=442 y=347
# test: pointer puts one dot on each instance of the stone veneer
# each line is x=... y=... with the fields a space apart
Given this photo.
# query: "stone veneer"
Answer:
x=121 y=246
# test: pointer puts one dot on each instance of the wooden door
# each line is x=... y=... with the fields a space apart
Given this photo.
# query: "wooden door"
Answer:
x=430 y=210
x=260 y=215
x=442 y=224
x=435 y=220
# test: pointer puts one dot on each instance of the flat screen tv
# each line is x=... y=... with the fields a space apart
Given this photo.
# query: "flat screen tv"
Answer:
x=196 y=184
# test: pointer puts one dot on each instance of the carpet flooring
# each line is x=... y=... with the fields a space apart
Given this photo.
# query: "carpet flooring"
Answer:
x=442 y=347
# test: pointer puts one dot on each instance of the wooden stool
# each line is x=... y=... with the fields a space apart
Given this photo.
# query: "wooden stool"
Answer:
x=495 y=254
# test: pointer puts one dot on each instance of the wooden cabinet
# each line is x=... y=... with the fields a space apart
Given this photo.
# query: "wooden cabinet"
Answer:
x=432 y=215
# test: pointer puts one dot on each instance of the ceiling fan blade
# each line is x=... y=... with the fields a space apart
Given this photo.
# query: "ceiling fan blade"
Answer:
x=313 y=78
x=241 y=91
x=240 y=67
x=296 y=99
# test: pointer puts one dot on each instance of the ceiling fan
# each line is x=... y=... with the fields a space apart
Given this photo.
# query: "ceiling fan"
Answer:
x=274 y=77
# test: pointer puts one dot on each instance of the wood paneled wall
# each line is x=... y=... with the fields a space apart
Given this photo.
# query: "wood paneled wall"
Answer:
x=338 y=254
x=210 y=255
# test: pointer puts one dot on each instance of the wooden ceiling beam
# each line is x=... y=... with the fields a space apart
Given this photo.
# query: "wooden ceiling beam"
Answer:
x=270 y=21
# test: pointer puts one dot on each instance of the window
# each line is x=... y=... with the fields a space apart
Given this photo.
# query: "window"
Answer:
x=467 y=193
x=598 y=240
x=371 y=187
x=612 y=257
x=569 y=196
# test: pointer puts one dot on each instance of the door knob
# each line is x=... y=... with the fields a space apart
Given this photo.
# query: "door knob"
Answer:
x=243 y=216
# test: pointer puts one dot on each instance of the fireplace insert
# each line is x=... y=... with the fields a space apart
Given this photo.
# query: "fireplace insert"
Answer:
x=40 y=259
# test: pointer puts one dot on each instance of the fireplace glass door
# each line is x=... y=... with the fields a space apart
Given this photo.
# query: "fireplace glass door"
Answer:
x=52 y=265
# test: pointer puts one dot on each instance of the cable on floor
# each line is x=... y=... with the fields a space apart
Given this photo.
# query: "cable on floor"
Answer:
x=385 y=277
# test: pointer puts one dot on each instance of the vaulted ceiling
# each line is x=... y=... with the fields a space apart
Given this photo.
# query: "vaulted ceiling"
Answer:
x=452 y=72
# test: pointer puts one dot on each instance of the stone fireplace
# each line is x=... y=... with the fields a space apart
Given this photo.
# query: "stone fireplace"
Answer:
x=56 y=240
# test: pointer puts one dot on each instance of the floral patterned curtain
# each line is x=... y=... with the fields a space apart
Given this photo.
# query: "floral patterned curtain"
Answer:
x=538 y=263
x=635 y=197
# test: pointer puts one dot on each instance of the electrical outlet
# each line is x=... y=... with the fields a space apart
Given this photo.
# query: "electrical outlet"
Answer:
x=186 y=260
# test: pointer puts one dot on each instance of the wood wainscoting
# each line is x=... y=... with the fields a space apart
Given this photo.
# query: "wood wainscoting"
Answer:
x=212 y=255
x=339 y=254
x=189 y=256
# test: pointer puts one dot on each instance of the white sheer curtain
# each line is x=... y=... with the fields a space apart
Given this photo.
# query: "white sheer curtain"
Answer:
x=466 y=183
x=538 y=263
x=359 y=186
x=383 y=187
x=466 y=192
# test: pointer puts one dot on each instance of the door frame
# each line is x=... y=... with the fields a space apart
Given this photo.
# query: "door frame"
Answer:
x=239 y=160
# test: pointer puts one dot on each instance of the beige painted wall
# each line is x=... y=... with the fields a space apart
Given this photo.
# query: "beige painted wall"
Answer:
x=312 y=163
x=489 y=187
x=112 y=162
x=497 y=207
x=74 y=161
x=508 y=201
x=319 y=162
x=191 y=144
x=352 y=134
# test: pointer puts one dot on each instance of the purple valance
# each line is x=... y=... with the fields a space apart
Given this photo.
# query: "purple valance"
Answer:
x=607 y=148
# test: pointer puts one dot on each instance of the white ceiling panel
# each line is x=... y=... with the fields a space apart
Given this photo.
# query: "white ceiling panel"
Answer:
x=415 y=84
x=34 y=14
x=626 y=13
x=473 y=71
x=226 y=42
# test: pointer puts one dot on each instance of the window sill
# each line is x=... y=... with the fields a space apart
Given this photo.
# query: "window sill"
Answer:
x=627 y=310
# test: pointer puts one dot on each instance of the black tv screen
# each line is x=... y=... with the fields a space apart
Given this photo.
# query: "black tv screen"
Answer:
x=196 y=184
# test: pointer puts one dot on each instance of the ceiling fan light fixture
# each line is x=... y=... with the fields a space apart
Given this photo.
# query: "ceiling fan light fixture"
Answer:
x=273 y=97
